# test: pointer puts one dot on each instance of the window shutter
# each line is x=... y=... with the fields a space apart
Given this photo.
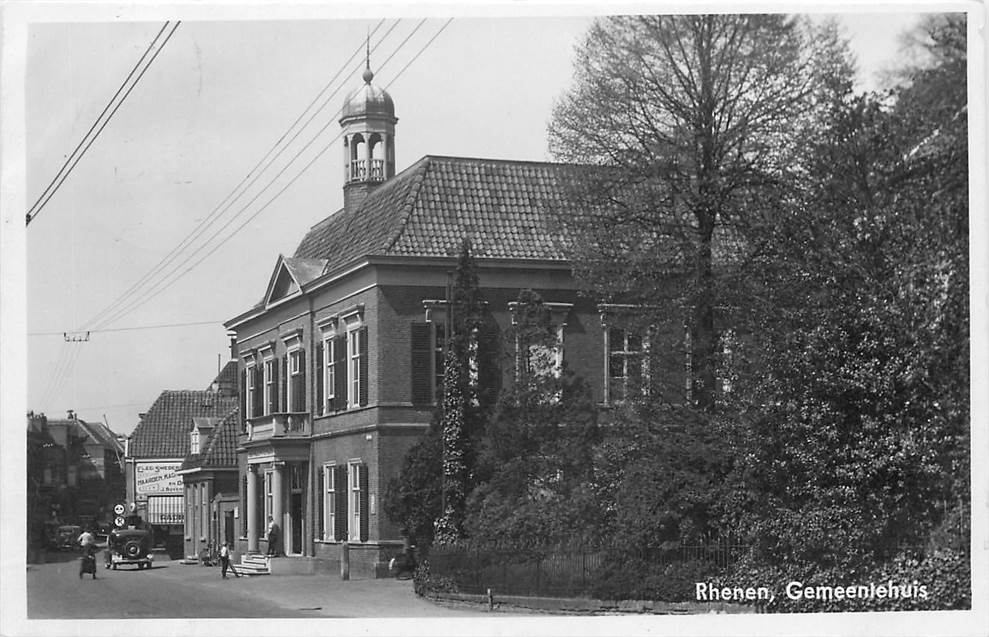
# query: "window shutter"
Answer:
x=320 y=407
x=273 y=402
x=243 y=507
x=340 y=364
x=320 y=503
x=301 y=385
x=365 y=381
x=422 y=354
x=258 y=396
x=365 y=491
x=340 y=477
x=243 y=400
x=283 y=387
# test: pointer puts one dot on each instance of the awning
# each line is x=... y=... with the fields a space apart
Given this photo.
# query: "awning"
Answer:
x=166 y=510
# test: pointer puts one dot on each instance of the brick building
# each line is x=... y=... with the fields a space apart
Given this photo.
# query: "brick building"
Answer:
x=160 y=444
x=209 y=475
x=339 y=361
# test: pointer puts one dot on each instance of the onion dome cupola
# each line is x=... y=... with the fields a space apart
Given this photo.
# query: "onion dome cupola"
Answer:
x=368 y=122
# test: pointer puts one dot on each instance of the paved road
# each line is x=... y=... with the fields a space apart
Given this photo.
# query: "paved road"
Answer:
x=174 y=590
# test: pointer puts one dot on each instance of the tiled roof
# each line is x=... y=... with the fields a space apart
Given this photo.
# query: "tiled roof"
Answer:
x=505 y=207
x=219 y=450
x=164 y=431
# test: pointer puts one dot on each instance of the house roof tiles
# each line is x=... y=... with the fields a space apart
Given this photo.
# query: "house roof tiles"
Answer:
x=504 y=207
x=220 y=449
x=163 y=432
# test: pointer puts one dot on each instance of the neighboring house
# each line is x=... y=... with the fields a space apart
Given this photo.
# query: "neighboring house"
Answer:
x=209 y=474
x=341 y=360
x=74 y=471
x=156 y=450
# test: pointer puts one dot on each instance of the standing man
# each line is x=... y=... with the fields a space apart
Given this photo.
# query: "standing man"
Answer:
x=272 y=537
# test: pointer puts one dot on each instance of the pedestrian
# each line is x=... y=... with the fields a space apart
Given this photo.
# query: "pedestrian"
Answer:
x=272 y=537
x=224 y=560
x=86 y=539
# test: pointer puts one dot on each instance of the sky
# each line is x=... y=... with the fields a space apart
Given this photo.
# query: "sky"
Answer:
x=215 y=100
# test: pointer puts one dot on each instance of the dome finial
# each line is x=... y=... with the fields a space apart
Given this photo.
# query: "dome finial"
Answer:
x=368 y=75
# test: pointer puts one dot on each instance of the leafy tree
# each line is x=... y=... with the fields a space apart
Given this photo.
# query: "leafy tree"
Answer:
x=428 y=496
x=854 y=448
x=414 y=498
x=693 y=116
x=536 y=458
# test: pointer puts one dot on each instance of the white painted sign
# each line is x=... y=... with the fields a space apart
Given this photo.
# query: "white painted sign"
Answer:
x=157 y=478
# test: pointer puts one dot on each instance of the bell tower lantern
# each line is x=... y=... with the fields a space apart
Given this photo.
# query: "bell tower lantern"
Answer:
x=368 y=122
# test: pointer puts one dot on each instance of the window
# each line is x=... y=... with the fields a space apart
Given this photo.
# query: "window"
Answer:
x=269 y=501
x=329 y=502
x=203 y=510
x=626 y=363
x=330 y=374
x=270 y=387
x=252 y=390
x=355 y=489
x=356 y=361
x=296 y=383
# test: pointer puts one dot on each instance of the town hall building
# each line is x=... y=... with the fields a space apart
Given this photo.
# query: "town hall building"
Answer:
x=340 y=361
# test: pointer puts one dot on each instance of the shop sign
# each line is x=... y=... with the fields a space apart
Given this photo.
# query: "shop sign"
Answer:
x=157 y=478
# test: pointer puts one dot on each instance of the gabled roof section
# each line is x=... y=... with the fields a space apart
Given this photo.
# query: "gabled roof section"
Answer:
x=163 y=432
x=290 y=274
x=506 y=208
x=219 y=451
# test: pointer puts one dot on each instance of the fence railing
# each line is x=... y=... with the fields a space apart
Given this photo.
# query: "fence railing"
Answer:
x=562 y=571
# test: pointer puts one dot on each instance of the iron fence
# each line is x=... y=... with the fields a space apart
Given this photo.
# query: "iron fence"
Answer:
x=566 y=571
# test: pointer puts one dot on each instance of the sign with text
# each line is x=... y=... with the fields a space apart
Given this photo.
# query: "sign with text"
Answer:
x=157 y=478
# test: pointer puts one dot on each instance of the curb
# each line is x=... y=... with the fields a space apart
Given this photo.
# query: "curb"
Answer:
x=595 y=606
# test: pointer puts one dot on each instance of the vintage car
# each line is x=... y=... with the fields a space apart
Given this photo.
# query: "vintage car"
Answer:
x=129 y=546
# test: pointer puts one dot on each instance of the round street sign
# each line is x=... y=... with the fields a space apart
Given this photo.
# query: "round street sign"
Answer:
x=119 y=509
x=119 y=521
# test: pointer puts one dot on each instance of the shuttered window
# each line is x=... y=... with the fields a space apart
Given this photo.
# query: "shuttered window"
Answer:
x=297 y=380
x=357 y=488
x=422 y=372
x=340 y=375
x=283 y=390
x=340 y=500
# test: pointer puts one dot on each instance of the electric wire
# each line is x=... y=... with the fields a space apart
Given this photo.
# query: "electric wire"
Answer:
x=231 y=197
x=132 y=328
x=158 y=289
x=164 y=283
x=42 y=201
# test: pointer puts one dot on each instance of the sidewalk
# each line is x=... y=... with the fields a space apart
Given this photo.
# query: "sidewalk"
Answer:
x=326 y=595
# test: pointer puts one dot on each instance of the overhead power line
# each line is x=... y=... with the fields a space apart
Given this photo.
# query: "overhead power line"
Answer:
x=164 y=283
x=176 y=271
x=132 y=328
x=83 y=146
x=225 y=204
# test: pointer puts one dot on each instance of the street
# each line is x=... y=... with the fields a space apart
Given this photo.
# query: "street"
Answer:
x=174 y=590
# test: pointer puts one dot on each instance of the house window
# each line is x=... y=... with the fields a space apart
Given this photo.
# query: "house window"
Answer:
x=269 y=501
x=329 y=501
x=626 y=363
x=270 y=387
x=252 y=403
x=355 y=364
x=295 y=381
x=354 y=488
x=203 y=510
x=330 y=375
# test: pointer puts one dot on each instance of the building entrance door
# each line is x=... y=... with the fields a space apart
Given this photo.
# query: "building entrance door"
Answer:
x=295 y=512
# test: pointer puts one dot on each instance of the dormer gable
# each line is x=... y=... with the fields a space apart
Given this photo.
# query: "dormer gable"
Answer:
x=289 y=276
